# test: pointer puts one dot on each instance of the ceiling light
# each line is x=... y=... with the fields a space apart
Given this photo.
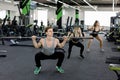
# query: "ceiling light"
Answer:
x=90 y=5
x=47 y=5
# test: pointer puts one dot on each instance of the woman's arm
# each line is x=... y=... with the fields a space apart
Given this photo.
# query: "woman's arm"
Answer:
x=90 y=28
x=83 y=34
x=80 y=33
x=70 y=34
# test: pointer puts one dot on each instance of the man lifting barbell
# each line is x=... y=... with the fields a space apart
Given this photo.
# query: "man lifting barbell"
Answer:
x=49 y=51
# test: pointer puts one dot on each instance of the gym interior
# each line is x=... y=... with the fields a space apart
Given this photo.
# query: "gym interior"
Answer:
x=21 y=19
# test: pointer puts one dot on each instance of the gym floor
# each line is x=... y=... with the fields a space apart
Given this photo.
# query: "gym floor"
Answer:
x=19 y=64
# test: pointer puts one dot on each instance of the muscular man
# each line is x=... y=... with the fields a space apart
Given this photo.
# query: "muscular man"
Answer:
x=49 y=51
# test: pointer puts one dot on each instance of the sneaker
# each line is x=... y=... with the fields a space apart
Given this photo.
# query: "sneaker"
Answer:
x=102 y=50
x=37 y=70
x=88 y=50
x=59 y=69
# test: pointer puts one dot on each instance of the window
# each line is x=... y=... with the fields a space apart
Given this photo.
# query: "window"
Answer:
x=102 y=16
x=2 y=14
x=42 y=16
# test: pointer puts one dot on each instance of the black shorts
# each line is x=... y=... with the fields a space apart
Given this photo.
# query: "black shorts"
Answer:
x=94 y=35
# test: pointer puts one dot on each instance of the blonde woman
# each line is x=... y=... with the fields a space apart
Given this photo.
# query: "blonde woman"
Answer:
x=95 y=31
x=75 y=41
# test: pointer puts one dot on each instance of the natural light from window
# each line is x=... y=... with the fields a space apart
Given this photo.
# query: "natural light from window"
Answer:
x=42 y=16
x=2 y=14
x=102 y=16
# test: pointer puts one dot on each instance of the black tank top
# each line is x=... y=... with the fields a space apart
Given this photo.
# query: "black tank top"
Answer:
x=94 y=33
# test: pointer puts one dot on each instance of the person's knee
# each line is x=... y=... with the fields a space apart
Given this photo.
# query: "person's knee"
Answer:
x=60 y=55
x=100 y=40
x=61 y=52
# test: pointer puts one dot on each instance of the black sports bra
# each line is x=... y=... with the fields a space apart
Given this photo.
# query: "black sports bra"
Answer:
x=95 y=32
x=75 y=39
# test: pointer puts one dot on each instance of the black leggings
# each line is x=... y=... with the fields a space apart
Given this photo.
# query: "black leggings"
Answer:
x=79 y=44
x=58 y=54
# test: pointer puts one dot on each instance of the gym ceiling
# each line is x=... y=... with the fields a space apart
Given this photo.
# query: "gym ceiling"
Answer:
x=97 y=3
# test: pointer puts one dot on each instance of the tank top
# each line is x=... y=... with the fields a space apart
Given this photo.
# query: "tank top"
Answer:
x=48 y=50
x=95 y=32
x=75 y=39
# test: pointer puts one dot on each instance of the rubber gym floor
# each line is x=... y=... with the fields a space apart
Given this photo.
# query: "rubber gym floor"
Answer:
x=19 y=64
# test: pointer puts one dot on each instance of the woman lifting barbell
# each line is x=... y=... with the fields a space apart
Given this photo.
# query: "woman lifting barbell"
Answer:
x=96 y=28
x=75 y=41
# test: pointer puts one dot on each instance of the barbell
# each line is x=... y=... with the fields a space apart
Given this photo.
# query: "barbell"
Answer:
x=19 y=37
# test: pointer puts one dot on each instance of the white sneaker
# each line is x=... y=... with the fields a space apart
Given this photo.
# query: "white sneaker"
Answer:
x=102 y=50
x=88 y=50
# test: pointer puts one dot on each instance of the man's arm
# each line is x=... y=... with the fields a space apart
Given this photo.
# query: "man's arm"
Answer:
x=36 y=45
x=61 y=44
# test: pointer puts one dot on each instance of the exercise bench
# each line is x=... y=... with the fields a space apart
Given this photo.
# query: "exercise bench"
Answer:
x=115 y=68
